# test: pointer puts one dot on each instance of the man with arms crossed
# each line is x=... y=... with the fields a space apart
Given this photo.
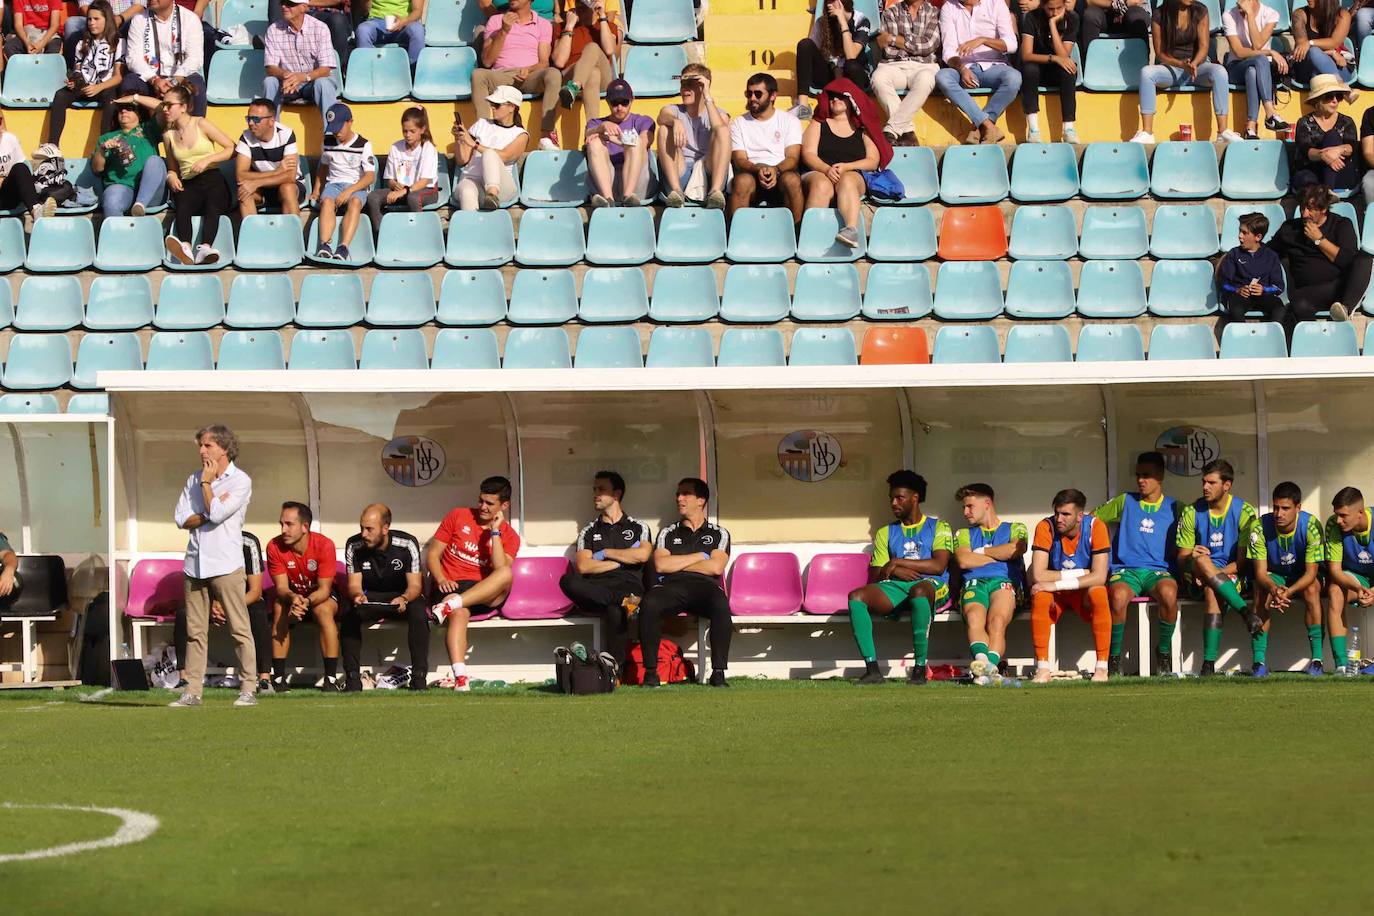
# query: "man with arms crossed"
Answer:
x=989 y=552
x=383 y=569
x=1070 y=559
x=909 y=571
x=1146 y=528
x=607 y=577
x=301 y=563
x=1287 y=548
x=470 y=560
x=212 y=508
x=1349 y=567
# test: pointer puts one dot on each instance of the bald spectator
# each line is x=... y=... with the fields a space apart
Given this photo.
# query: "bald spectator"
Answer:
x=385 y=582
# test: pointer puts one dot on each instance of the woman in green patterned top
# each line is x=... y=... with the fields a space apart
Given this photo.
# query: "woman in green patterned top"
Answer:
x=127 y=160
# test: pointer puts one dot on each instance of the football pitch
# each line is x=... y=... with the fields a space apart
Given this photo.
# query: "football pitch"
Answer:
x=770 y=797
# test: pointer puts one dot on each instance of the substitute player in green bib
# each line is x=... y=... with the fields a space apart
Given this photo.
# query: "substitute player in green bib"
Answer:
x=1287 y=549
x=989 y=552
x=909 y=571
x=1349 y=568
x=1146 y=528
x=1213 y=537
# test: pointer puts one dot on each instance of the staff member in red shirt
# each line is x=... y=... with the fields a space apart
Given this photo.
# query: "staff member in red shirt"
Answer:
x=470 y=561
x=301 y=563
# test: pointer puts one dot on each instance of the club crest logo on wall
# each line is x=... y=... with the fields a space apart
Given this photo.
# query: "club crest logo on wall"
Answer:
x=809 y=455
x=413 y=461
x=1187 y=449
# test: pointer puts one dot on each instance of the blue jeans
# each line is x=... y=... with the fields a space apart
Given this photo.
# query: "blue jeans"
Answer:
x=372 y=33
x=1159 y=76
x=1256 y=74
x=1363 y=26
x=321 y=93
x=1318 y=61
x=116 y=199
x=1003 y=80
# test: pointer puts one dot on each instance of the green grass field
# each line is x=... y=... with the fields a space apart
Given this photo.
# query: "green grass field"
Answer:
x=1132 y=797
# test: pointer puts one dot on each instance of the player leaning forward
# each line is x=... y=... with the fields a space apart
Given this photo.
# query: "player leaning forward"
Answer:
x=909 y=572
x=1070 y=558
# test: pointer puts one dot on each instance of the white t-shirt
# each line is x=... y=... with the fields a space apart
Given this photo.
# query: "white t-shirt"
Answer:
x=408 y=166
x=1233 y=23
x=347 y=163
x=10 y=152
x=492 y=136
x=96 y=59
x=765 y=142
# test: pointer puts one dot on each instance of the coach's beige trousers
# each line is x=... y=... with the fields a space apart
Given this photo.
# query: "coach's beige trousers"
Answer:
x=229 y=590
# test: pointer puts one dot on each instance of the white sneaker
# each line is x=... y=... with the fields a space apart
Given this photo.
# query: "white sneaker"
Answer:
x=1071 y=135
x=441 y=611
x=246 y=699
x=185 y=701
x=548 y=145
x=138 y=209
x=1230 y=136
x=982 y=667
x=179 y=250
x=205 y=254
x=1143 y=137
x=461 y=685
x=1042 y=676
x=1033 y=137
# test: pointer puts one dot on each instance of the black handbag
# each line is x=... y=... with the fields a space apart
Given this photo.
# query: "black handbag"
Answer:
x=576 y=675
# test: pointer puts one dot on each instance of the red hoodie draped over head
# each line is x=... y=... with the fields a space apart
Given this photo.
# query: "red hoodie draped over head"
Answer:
x=868 y=114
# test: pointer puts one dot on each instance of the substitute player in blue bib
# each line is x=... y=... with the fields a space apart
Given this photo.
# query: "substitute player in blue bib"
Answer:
x=1287 y=549
x=989 y=552
x=909 y=572
x=1146 y=528
x=1349 y=568
x=1213 y=539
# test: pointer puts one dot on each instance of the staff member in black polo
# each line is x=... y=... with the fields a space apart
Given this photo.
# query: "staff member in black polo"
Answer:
x=608 y=567
x=689 y=559
x=383 y=568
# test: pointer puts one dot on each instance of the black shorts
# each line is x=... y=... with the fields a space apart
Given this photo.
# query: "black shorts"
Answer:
x=271 y=197
x=463 y=585
x=769 y=197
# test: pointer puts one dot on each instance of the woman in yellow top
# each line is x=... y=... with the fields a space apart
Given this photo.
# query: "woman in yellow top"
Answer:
x=195 y=148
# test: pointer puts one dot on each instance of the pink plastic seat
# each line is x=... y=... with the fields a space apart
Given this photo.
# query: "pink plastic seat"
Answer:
x=155 y=590
x=830 y=578
x=764 y=584
x=535 y=594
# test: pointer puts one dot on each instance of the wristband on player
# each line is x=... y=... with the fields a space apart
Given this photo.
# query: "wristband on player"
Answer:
x=599 y=555
x=706 y=555
x=980 y=550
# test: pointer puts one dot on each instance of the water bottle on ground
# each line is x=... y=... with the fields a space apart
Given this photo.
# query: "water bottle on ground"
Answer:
x=1352 y=653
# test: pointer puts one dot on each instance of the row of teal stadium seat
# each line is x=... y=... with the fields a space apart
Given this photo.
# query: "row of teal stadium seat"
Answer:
x=44 y=361
x=686 y=294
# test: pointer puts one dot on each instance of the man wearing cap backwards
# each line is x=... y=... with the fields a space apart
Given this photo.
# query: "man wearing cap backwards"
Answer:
x=347 y=169
x=300 y=60
x=617 y=149
x=515 y=52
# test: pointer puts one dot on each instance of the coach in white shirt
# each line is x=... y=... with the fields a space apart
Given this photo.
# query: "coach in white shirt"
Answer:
x=212 y=508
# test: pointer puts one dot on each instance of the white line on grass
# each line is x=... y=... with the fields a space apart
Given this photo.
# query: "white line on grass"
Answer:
x=135 y=826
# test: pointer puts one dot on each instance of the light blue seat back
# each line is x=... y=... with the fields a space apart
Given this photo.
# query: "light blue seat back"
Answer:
x=1324 y=338
x=189 y=302
x=31 y=80
x=251 y=350
x=251 y=14
x=1043 y=233
x=38 y=361
x=60 y=245
x=1111 y=289
x=49 y=304
x=224 y=244
x=444 y=74
x=119 y=302
x=479 y=239
x=751 y=347
x=1184 y=231
x=613 y=294
x=1044 y=172
x=1230 y=221
x=690 y=235
x=608 y=348
x=662 y=22
x=1101 y=343
x=36 y=403
x=1114 y=171
x=131 y=244
x=1113 y=64
x=260 y=301
x=915 y=167
x=401 y=300
x=361 y=250
x=377 y=75
x=969 y=344
x=1114 y=233
x=1255 y=340
x=269 y=242
x=320 y=349
x=822 y=347
x=1038 y=343
x=1183 y=289
x=12 y=244
x=236 y=76
x=450 y=25
x=554 y=178
x=550 y=238
x=410 y=240
x=902 y=234
x=761 y=236
x=817 y=243
x=334 y=300
x=105 y=352
x=469 y=348
x=181 y=351
x=755 y=293
x=1182 y=341
x=618 y=236
x=826 y=292
x=1255 y=170
x=84 y=403
x=680 y=348
x=542 y=297
x=537 y=348
x=653 y=69
x=472 y=298
x=968 y=291
x=400 y=348
x=685 y=294
x=1040 y=289
x=897 y=292
x=974 y=175
x=1185 y=170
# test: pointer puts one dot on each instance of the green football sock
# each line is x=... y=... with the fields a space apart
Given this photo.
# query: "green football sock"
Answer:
x=920 y=629
x=1227 y=591
x=1338 y=644
x=1314 y=640
x=1118 y=633
x=1211 y=638
x=862 y=622
x=994 y=657
x=1165 y=643
x=977 y=648
x=1259 y=645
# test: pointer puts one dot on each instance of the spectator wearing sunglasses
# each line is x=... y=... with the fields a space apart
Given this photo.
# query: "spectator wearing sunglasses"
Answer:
x=267 y=163
x=765 y=150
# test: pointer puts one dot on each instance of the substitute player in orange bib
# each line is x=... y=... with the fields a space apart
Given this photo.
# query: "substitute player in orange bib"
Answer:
x=1070 y=556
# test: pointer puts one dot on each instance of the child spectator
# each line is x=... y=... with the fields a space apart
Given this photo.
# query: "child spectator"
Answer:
x=96 y=72
x=347 y=169
x=412 y=170
x=1250 y=276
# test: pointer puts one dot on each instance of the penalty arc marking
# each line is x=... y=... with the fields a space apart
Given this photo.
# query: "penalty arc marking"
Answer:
x=135 y=826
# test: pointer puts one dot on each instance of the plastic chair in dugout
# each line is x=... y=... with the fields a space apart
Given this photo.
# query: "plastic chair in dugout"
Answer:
x=535 y=593
x=830 y=578
x=765 y=584
x=887 y=346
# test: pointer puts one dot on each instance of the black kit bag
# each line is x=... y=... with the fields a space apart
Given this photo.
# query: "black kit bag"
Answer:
x=577 y=675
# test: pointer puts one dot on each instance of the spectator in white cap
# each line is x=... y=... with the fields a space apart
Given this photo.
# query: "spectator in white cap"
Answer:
x=617 y=148
x=347 y=170
x=486 y=153
x=300 y=60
